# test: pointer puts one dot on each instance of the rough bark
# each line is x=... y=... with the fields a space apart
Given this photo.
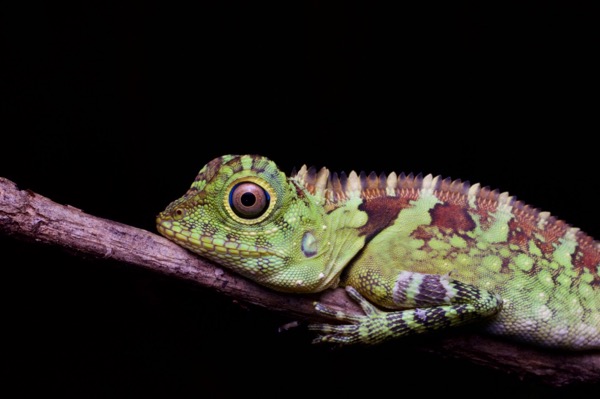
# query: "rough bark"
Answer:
x=31 y=216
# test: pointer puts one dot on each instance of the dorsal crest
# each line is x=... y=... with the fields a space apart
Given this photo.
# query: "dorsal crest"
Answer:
x=334 y=189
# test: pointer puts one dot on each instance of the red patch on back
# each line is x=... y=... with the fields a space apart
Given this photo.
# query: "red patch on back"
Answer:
x=452 y=217
x=554 y=231
x=588 y=255
x=518 y=237
x=483 y=208
x=521 y=229
x=421 y=233
x=382 y=212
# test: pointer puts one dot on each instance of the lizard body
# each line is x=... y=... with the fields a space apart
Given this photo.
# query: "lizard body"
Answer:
x=429 y=253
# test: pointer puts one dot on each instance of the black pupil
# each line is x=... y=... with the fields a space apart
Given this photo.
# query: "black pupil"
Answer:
x=248 y=199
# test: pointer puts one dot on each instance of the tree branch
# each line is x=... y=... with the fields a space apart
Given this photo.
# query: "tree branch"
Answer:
x=30 y=216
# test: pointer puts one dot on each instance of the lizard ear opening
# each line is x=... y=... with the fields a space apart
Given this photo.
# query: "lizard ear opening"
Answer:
x=249 y=200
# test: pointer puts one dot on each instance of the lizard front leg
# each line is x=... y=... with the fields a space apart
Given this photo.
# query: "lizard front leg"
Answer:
x=428 y=302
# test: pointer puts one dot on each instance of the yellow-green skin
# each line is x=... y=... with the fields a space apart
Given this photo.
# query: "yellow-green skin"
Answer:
x=430 y=253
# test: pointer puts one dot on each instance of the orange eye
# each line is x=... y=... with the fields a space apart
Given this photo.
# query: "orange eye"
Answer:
x=249 y=200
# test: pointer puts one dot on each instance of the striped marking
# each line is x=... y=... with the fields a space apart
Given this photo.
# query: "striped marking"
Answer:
x=418 y=289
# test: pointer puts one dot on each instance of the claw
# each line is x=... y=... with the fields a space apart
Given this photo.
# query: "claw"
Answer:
x=336 y=314
x=366 y=306
x=333 y=329
x=333 y=339
x=336 y=334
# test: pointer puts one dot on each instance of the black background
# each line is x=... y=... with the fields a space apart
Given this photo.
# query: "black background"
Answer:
x=113 y=109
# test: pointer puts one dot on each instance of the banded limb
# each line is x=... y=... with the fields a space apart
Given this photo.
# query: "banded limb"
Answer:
x=432 y=302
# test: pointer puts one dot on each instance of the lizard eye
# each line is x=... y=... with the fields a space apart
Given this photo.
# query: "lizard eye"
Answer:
x=248 y=200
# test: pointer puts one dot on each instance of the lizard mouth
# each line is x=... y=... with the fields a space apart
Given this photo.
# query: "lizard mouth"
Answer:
x=206 y=244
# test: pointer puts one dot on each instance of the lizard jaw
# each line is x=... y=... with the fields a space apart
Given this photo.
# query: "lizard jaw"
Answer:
x=207 y=244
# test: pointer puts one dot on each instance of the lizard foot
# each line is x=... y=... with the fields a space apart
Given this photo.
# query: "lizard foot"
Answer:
x=376 y=326
x=358 y=329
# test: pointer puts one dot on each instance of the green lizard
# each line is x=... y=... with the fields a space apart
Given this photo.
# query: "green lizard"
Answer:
x=417 y=253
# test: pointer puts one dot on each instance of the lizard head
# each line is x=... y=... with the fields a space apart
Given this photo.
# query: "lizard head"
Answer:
x=243 y=213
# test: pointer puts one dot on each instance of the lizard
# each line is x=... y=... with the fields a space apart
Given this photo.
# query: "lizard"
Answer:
x=417 y=253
